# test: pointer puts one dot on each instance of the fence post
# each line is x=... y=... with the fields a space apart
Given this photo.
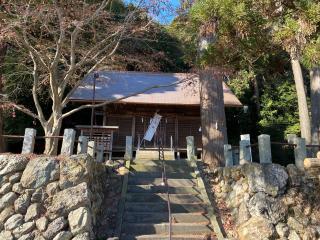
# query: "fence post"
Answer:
x=244 y=152
x=68 y=141
x=128 y=153
x=99 y=157
x=291 y=138
x=82 y=145
x=190 y=147
x=235 y=156
x=91 y=148
x=228 y=155
x=247 y=137
x=264 y=148
x=28 y=140
x=300 y=152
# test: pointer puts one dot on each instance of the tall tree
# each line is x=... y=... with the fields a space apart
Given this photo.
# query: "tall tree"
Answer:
x=64 y=41
x=311 y=59
x=3 y=50
x=293 y=25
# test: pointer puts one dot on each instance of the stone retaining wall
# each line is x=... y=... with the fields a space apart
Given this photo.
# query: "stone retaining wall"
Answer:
x=268 y=201
x=49 y=197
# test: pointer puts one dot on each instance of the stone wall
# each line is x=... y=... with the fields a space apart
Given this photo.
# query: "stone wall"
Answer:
x=268 y=201
x=49 y=197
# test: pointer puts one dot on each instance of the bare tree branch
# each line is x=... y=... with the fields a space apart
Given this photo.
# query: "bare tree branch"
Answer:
x=34 y=90
x=20 y=108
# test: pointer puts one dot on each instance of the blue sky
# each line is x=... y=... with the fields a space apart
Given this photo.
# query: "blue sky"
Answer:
x=165 y=17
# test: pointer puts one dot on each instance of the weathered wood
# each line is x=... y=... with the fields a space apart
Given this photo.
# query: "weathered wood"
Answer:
x=311 y=163
x=82 y=145
x=133 y=129
x=318 y=155
x=28 y=140
x=228 y=155
x=264 y=148
x=68 y=141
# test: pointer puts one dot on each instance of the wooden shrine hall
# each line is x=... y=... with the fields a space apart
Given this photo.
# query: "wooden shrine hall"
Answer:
x=178 y=104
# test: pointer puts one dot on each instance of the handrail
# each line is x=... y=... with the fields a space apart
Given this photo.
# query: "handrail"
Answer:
x=165 y=183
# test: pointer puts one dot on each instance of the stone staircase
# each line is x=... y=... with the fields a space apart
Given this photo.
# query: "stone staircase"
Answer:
x=144 y=213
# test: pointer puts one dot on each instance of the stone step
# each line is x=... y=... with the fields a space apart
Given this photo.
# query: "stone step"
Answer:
x=166 y=237
x=138 y=217
x=162 y=189
x=163 y=207
x=142 y=154
x=160 y=197
x=163 y=228
x=159 y=182
x=145 y=168
x=159 y=163
x=159 y=175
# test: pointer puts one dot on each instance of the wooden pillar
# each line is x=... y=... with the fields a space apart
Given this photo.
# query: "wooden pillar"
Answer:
x=104 y=120
x=176 y=132
x=133 y=129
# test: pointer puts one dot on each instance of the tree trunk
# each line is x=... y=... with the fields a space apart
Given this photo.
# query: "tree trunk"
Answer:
x=214 y=134
x=51 y=144
x=315 y=104
x=256 y=95
x=3 y=51
x=302 y=100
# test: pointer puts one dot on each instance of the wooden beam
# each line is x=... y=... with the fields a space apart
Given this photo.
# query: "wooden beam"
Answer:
x=133 y=129
x=176 y=132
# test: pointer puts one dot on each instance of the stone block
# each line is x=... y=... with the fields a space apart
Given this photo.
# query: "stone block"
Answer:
x=82 y=145
x=68 y=142
x=28 y=140
x=264 y=148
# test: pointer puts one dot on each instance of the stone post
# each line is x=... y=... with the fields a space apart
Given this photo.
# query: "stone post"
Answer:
x=300 y=152
x=228 y=155
x=235 y=156
x=128 y=154
x=82 y=145
x=28 y=140
x=190 y=148
x=91 y=148
x=264 y=148
x=99 y=156
x=68 y=141
x=291 y=138
x=244 y=152
x=247 y=137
